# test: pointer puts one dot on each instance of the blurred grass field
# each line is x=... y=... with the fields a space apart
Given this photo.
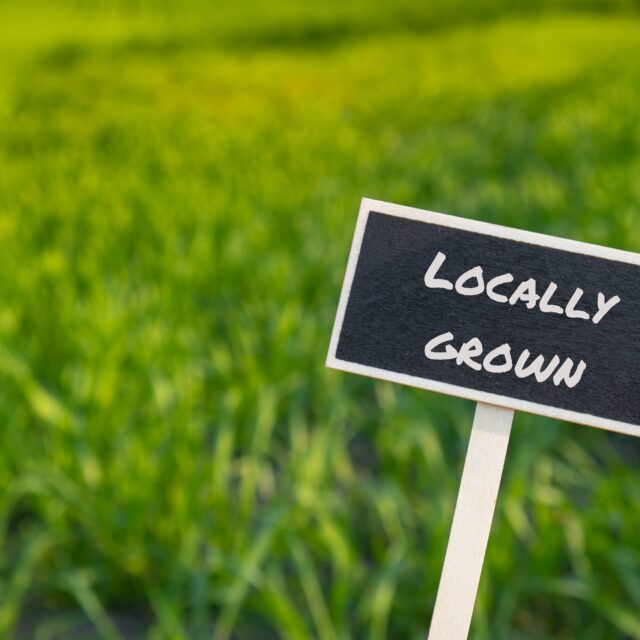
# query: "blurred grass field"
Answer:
x=178 y=190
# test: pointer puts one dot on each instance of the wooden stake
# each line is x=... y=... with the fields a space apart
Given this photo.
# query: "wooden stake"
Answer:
x=471 y=523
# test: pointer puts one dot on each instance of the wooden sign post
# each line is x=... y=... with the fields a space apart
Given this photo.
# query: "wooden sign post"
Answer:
x=508 y=318
x=471 y=522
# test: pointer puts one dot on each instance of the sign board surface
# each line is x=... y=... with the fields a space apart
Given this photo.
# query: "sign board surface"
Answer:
x=492 y=314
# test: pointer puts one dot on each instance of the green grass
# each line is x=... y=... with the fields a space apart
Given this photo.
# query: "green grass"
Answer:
x=178 y=191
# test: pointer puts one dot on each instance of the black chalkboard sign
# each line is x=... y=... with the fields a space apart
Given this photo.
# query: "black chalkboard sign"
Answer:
x=493 y=314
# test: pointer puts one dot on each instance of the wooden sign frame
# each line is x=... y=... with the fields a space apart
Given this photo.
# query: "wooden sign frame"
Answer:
x=368 y=206
x=492 y=423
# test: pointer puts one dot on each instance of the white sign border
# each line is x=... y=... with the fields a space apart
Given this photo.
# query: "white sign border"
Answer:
x=367 y=206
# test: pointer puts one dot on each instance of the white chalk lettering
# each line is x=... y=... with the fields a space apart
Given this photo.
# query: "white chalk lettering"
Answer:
x=545 y=301
x=523 y=370
x=571 y=310
x=604 y=306
x=470 y=350
x=448 y=354
x=472 y=274
x=472 y=283
x=503 y=351
x=430 y=277
x=563 y=374
x=505 y=278
x=526 y=291
x=499 y=360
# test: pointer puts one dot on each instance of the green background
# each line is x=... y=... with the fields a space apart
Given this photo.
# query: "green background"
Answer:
x=178 y=190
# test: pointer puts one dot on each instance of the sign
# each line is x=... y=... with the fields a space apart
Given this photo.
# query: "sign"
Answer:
x=493 y=314
x=501 y=316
